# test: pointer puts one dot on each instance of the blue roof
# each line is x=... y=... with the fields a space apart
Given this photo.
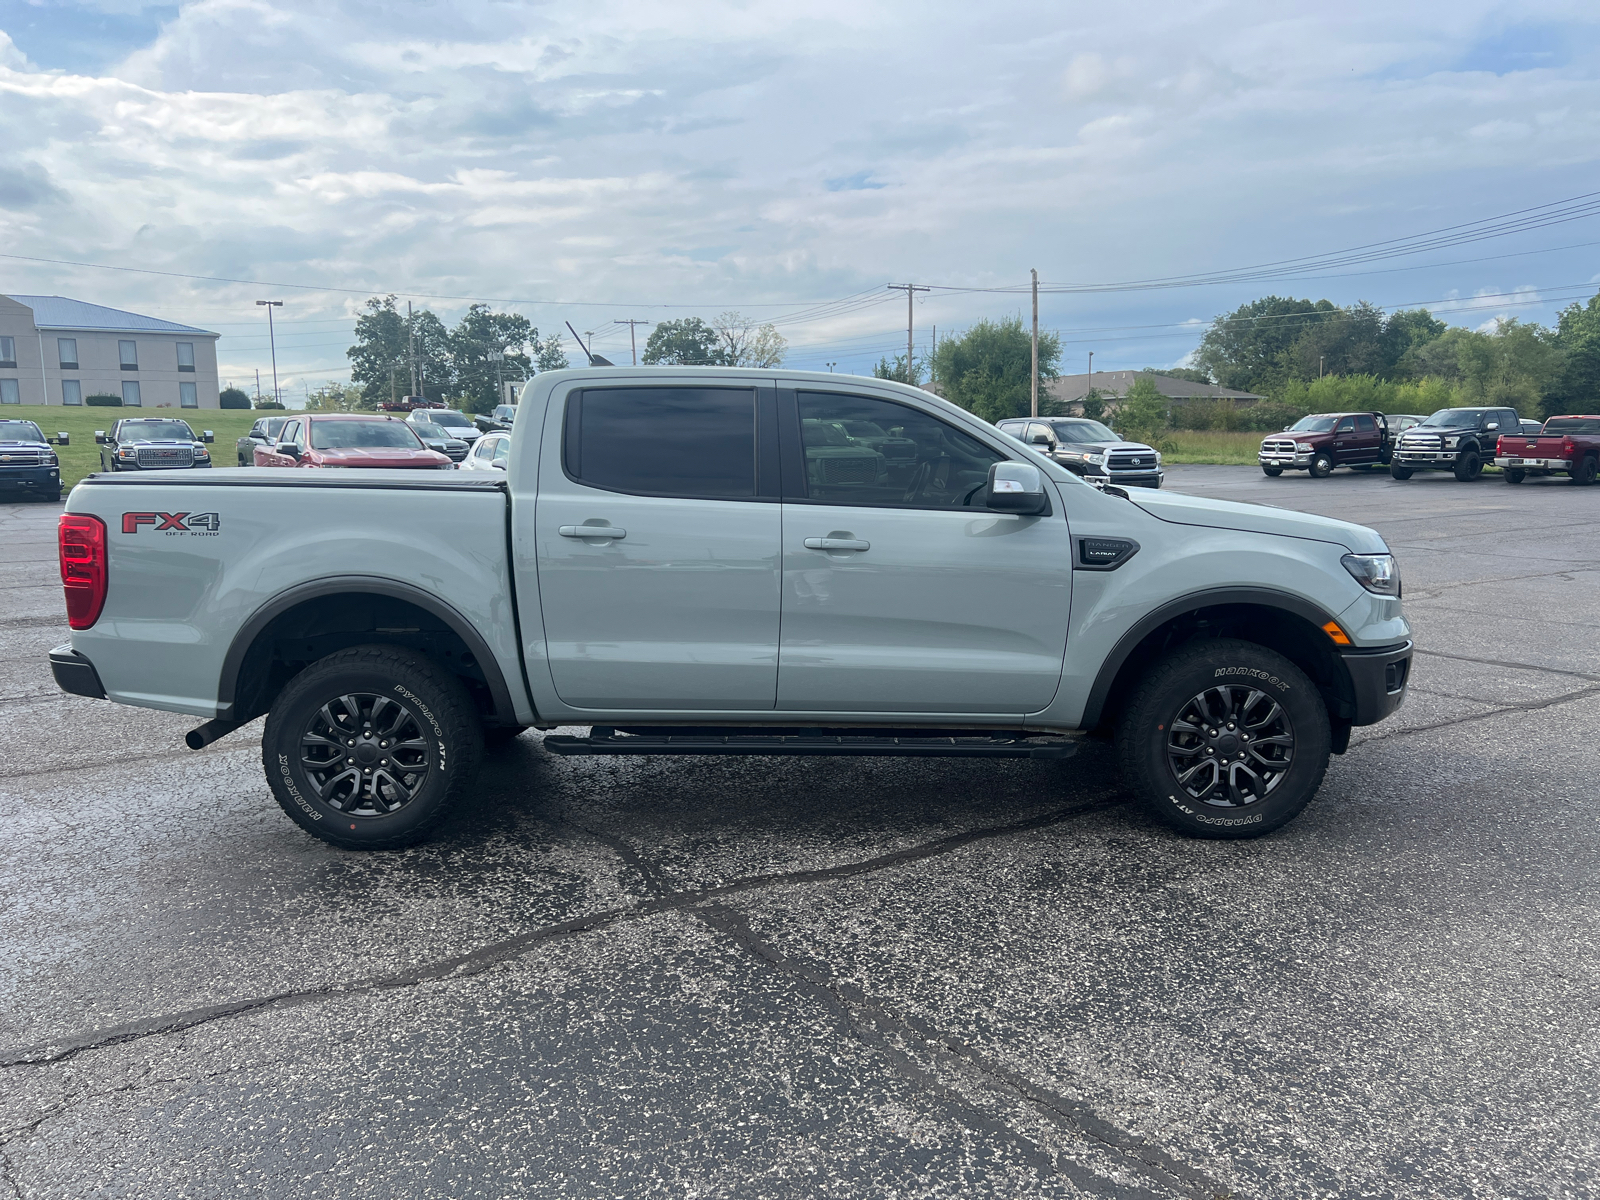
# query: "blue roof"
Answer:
x=61 y=312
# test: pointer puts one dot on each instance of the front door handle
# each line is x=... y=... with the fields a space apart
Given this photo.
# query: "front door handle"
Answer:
x=592 y=531
x=837 y=543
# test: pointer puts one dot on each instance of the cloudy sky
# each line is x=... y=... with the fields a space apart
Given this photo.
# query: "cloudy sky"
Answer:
x=614 y=159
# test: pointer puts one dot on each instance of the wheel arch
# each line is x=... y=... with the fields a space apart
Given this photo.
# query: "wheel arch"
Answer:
x=313 y=620
x=1280 y=621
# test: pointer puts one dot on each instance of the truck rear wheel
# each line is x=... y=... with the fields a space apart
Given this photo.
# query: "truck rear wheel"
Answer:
x=370 y=747
x=1583 y=473
x=1514 y=474
x=1225 y=739
x=1468 y=466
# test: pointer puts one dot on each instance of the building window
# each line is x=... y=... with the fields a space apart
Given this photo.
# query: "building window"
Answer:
x=130 y=393
x=187 y=396
x=128 y=355
x=185 y=356
x=8 y=392
x=8 y=352
x=67 y=353
x=71 y=391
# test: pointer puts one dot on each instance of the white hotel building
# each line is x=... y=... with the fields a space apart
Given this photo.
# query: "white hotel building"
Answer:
x=57 y=351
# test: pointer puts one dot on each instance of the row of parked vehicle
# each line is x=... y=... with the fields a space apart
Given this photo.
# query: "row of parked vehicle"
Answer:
x=425 y=439
x=1459 y=440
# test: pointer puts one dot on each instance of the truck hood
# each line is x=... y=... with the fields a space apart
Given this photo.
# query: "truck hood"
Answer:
x=1257 y=518
x=380 y=456
x=1107 y=447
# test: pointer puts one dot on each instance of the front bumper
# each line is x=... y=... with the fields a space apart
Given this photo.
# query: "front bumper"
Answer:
x=1285 y=460
x=1534 y=464
x=1426 y=458
x=76 y=674
x=43 y=479
x=1378 y=679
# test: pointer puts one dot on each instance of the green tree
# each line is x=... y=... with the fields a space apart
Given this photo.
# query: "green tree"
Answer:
x=988 y=369
x=746 y=344
x=232 y=397
x=687 y=342
x=474 y=344
x=1094 y=404
x=1575 y=383
x=382 y=358
x=550 y=355
x=1189 y=373
x=1403 y=332
x=1141 y=414
x=896 y=370
x=1252 y=348
x=338 y=397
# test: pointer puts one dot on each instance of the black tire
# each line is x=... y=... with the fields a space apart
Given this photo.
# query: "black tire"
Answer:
x=1396 y=472
x=438 y=734
x=1514 y=474
x=1321 y=467
x=1584 y=473
x=1272 y=472
x=1262 y=691
x=1469 y=465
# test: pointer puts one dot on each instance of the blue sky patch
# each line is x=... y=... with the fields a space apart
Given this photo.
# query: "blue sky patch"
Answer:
x=861 y=181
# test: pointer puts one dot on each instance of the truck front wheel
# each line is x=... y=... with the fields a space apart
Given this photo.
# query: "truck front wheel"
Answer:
x=1321 y=467
x=370 y=747
x=1468 y=466
x=1399 y=472
x=1272 y=472
x=1225 y=739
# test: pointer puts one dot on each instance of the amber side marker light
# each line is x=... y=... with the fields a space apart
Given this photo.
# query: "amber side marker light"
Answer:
x=1339 y=636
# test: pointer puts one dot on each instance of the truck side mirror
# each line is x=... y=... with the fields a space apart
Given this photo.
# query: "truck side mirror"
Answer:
x=1039 y=439
x=1492 y=426
x=1017 y=488
x=289 y=450
x=207 y=436
x=62 y=438
x=100 y=437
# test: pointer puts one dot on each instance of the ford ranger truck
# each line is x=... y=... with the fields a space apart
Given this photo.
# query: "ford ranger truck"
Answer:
x=1569 y=444
x=1318 y=443
x=1459 y=440
x=671 y=565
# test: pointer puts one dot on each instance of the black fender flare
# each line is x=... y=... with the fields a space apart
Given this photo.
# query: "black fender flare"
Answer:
x=1094 y=707
x=376 y=585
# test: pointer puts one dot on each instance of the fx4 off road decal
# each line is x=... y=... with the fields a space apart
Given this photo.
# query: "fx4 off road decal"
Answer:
x=173 y=524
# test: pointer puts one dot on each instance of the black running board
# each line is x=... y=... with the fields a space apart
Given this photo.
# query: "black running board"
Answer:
x=896 y=743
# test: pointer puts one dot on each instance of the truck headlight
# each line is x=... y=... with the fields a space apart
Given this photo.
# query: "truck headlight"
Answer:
x=1450 y=443
x=127 y=452
x=1303 y=447
x=1376 y=572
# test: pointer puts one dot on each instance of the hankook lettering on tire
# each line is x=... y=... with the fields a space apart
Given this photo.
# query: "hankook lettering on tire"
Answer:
x=1264 y=676
x=294 y=792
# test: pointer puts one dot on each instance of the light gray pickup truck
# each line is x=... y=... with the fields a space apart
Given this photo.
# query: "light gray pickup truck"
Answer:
x=705 y=561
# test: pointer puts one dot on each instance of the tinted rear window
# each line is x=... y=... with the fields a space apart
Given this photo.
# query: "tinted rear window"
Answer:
x=664 y=441
x=1572 y=425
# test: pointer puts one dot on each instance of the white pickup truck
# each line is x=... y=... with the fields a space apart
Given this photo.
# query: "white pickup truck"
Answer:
x=708 y=561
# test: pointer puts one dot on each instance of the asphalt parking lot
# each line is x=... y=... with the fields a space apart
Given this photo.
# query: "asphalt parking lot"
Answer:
x=792 y=978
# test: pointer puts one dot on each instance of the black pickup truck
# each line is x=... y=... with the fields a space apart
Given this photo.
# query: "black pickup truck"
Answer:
x=152 y=444
x=1461 y=440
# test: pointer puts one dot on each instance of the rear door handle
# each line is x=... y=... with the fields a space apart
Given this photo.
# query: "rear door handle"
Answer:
x=831 y=543
x=592 y=531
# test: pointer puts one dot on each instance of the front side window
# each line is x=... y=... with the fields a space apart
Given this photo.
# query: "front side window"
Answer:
x=67 y=353
x=363 y=435
x=185 y=356
x=128 y=355
x=8 y=352
x=71 y=391
x=1083 y=431
x=291 y=433
x=502 y=449
x=697 y=443
x=9 y=393
x=1365 y=424
x=920 y=462
x=188 y=396
x=483 y=449
x=130 y=393
x=1348 y=425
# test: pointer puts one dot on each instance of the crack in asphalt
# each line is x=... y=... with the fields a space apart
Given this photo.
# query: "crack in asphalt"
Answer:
x=464 y=966
x=1515 y=666
x=875 y=1025
x=1499 y=711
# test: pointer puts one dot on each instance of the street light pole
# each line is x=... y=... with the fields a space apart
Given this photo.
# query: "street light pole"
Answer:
x=272 y=340
x=831 y=366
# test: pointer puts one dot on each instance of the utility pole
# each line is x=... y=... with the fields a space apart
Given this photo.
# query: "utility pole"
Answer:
x=911 y=290
x=411 y=348
x=272 y=339
x=1320 y=357
x=933 y=355
x=258 y=385
x=1034 y=380
x=633 y=341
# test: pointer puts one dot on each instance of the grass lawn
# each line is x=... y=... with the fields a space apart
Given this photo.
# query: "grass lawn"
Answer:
x=83 y=456
x=1238 y=449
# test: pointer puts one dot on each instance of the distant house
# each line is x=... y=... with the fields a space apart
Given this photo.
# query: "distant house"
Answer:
x=54 y=350
x=1067 y=392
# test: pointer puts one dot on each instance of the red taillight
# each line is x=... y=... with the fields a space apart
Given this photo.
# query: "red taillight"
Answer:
x=83 y=567
x=1568 y=446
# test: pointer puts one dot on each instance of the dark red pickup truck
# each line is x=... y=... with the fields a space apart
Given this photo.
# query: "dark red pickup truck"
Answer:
x=1569 y=444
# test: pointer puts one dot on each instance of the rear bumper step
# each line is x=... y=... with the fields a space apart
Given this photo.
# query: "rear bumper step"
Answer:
x=606 y=740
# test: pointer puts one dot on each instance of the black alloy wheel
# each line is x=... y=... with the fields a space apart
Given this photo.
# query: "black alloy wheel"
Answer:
x=370 y=747
x=1230 y=746
x=367 y=755
x=1321 y=466
x=1224 y=738
x=1468 y=466
x=1514 y=474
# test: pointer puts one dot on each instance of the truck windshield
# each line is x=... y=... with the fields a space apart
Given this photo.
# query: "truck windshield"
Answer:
x=427 y=429
x=1314 y=425
x=20 y=431
x=1452 y=418
x=156 y=431
x=1553 y=425
x=362 y=435
x=1082 y=431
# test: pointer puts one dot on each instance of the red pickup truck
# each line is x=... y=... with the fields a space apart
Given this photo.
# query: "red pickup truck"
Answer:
x=1567 y=443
